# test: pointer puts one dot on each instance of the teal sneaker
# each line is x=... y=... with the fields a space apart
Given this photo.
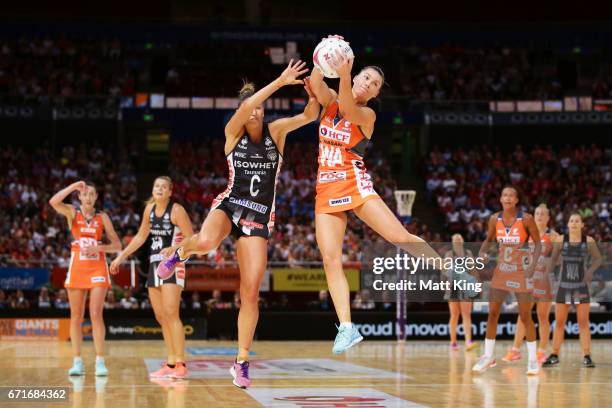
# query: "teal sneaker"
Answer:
x=101 y=370
x=77 y=368
x=346 y=338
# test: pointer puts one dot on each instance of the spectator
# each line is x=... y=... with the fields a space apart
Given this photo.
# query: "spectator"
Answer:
x=61 y=301
x=128 y=301
x=195 y=301
x=110 y=302
x=146 y=303
x=3 y=303
x=44 y=301
x=20 y=302
x=322 y=303
x=363 y=301
x=236 y=302
x=216 y=302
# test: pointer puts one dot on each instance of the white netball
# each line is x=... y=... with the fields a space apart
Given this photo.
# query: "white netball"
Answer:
x=324 y=52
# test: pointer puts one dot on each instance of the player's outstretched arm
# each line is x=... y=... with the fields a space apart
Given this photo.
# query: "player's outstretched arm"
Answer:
x=288 y=77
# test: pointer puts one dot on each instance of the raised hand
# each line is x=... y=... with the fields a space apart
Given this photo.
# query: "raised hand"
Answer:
x=80 y=186
x=342 y=64
x=292 y=72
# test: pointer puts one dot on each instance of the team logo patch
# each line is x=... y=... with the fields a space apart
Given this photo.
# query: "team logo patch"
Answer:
x=331 y=176
x=333 y=134
x=364 y=181
x=243 y=143
x=268 y=141
x=98 y=279
x=340 y=201
x=256 y=156
x=241 y=155
x=272 y=155
x=513 y=285
x=251 y=224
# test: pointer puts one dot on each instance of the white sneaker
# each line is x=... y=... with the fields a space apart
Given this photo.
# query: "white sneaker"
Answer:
x=484 y=363
x=533 y=368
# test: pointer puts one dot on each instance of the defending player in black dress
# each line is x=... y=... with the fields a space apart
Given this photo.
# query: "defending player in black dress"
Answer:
x=575 y=249
x=246 y=208
x=167 y=223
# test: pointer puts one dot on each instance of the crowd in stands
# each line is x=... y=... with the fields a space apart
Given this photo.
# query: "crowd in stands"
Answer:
x=465 y=183
x=54 y=68
x=130 y=299
x=31 y=232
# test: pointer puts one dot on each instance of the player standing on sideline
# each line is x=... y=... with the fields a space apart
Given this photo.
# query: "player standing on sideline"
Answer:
x=168 y=223
x=511 y=228
x=246 y=208
x=343 y=183
x=573 y=289
x=459 y=303
x=88 y=270
x=542 y=291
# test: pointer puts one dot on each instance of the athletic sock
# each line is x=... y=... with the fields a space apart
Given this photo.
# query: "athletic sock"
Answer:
x=77 y=360
x=531 y=350
x=489 y=347
x=99 y=358
x=347 y=325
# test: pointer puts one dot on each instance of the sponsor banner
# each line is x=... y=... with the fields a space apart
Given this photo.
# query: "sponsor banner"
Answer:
x=327 y=397
x=34 y=329
x=283 y=368
x=308 y=280
x=205 y=278
x=149 y=329
x=215 y=351
x=378 y=325
x=23 y=278
x=123 y=278
x=435 y=327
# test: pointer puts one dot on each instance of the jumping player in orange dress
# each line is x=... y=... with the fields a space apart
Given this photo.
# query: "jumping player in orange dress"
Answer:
x=543 y=291
x=343 y=183
x=88 y=270
x=511 y=228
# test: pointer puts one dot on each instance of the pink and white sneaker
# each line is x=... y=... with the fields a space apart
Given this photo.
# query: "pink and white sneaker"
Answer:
x=180 y=372
x=240 y=372
x=164 y=372
x=484 y=363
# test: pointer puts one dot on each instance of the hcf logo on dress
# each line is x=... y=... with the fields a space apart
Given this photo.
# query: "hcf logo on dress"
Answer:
x=333 y=134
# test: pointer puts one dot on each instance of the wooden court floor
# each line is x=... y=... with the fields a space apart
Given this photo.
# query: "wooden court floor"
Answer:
x=306 y=374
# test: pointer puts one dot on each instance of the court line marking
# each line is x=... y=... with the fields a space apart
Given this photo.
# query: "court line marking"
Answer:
x=188 y=384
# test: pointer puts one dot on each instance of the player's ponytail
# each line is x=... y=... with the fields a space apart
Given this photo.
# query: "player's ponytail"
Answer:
x=151 y=200
x=247 y=90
